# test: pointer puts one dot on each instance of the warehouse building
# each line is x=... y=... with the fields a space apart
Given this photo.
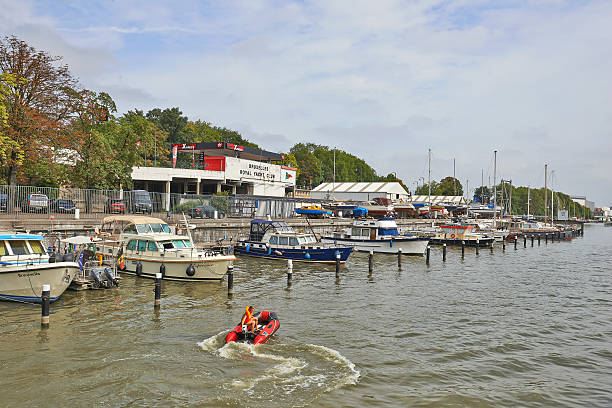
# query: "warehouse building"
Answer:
x=362 y=191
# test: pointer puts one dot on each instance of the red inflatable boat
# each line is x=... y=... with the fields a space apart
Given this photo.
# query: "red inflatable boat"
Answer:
x=267 y=325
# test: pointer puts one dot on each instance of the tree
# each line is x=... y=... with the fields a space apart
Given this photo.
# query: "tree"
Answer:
x=172 y=121
x=7 y=145
x=483 y=194
x=38 y=105
x=449 y=186
x=424 y=189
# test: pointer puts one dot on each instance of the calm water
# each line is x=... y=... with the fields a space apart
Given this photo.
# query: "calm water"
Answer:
x=531 y=327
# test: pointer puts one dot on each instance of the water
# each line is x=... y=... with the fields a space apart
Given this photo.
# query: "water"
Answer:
x=531 y=327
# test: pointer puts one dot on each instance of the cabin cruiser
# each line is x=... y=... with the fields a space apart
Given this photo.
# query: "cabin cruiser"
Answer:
x=313 y=210
x=144 y=244
x=461 y=235
x=379 y=236
x=380 y=206
x=25 y=266
x=277 y=240
x=535 y=229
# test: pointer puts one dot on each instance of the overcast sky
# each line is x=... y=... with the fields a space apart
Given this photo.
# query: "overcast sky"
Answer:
x=384 y=80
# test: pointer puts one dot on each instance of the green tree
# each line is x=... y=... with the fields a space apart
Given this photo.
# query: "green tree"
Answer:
x=483 y=194
x=449 y=186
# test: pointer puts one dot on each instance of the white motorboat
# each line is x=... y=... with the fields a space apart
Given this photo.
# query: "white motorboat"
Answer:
x=379 y=236
x=147 y=243
x=25 y=266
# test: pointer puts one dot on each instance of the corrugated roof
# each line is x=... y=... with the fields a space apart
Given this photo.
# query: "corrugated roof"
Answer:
x=438 y=199
x=362 y=187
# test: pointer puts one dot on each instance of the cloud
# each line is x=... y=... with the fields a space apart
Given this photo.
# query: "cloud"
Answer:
x=386 y=80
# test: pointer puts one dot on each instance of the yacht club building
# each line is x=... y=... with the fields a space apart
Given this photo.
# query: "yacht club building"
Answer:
x=217 y=167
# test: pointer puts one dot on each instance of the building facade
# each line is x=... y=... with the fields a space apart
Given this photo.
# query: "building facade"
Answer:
x=359 y=191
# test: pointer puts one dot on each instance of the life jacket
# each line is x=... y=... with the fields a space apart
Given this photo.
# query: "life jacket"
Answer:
x=247 y=314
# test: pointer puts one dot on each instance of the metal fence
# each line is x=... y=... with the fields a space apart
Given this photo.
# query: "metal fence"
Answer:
x=70 y=203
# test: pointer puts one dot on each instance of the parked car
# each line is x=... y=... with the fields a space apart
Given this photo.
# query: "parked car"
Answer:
x=114 y=206
x=63 y=205
x=141 y=202
x=35 y=203
x=3 y=202
x=204 y=211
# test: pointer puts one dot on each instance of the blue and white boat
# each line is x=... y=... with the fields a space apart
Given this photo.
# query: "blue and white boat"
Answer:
x=313 y=210
x=277 y=240
x=378 y=235
x=25 y=266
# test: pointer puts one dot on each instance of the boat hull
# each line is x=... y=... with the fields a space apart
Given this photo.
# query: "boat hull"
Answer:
x=302 y=211
x=212 y=268
x=308 y=254
x=23 y=283
x=409 y=246
x=269 y=325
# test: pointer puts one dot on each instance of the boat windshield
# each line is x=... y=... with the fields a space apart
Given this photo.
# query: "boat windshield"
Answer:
x=306 y=239
x=152 y=228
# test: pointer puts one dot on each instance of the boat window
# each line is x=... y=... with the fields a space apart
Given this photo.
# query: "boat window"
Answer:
x=131 y=245
x=178 y=243
x=187 y=243
x=130 y=229
x=165 y=228
x=152 y=246
x=365 y=232
x=302 y=240
x=19 y=247
x=37 y=247
x=167 y=245
x=283 y=240
x=142 y=246
x=355 y=231
x=293 y=241
x=274 y=239
x=156 y=227
x=143 y=228
x=387 y=231
x=3 y=250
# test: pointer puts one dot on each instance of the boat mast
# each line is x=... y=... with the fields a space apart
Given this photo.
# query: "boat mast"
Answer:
x=552 y=198
x=545 y=193
x=495 y=187
x=454 y=186
x=528 y=199
x=429 y=182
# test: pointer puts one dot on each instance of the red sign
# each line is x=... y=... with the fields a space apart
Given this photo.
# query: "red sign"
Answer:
x=232 y=146
x=174 y=152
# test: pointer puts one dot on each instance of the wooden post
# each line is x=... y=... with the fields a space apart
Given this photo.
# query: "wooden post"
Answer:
x=444 y=252
x=515 y=241
x=289 y=272
x=427 y=255
x=371 y=262
x=462 y=248
x=477 y=246
x=337 y=265
x=532 y=241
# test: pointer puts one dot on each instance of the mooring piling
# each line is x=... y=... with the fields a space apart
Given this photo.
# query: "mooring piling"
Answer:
x=539 y=238
x=444 y=252
x=45 y=303
x=158 y=289
x=230 y=280
x=337 y=265
x=515 y=241
x=524 y=241
x=289 y=272
x=427 y=255
x=399 y=258
x=371 y=262
x=462 y=249
x=477 y=246
x=532 y=241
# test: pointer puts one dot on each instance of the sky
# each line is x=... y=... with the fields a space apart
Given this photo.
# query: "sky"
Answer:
x=384 y=80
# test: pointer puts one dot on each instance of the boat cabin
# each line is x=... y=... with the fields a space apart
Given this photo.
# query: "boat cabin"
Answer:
x=21 y=247
x=456 y=231
x=133 y=224
x=278 y=233
x=371 y=229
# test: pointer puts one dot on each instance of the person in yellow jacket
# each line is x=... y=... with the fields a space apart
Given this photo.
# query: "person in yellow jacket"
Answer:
x=248 y=319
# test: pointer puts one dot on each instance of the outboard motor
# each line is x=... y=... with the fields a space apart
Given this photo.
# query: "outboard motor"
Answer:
x=96 y=274
x=108 y=273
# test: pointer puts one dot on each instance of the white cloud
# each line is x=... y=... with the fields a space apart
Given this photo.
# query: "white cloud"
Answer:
x=383 y=79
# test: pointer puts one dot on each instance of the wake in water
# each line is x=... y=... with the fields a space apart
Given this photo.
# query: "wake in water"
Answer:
x=301 y=372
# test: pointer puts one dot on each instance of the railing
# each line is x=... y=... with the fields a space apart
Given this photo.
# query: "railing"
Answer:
x=71 y=203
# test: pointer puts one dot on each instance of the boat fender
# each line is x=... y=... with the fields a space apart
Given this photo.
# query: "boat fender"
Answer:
x=307 y=255
x=391 y=243
x=139 y=269
x=59 y=258
x=269 y=250
x=190 y=270
x=162 y=270
x=52 y=258
x=247 y=248
x=452 y=235
x=279 y=253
